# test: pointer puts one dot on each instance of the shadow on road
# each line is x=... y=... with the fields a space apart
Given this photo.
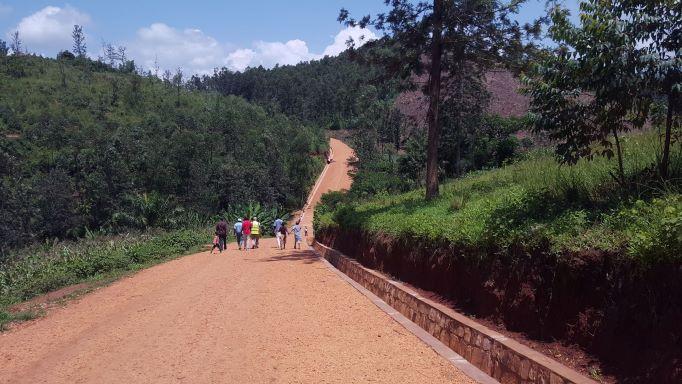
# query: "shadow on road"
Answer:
x=307 y=256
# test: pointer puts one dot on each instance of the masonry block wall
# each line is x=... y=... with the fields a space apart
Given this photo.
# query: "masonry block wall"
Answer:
x=498 y=356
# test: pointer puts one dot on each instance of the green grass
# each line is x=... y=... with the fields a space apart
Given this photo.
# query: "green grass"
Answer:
x=47 y=267
x=537 y=201
x=10 y=317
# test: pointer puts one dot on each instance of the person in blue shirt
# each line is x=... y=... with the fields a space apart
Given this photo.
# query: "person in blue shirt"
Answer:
x=297 y=235
x=238 y=233
x=276 y=227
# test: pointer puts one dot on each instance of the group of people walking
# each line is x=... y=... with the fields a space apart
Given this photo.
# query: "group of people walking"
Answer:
x=248 y=232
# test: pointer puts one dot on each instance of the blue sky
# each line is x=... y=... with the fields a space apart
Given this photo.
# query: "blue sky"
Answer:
x=197 y=35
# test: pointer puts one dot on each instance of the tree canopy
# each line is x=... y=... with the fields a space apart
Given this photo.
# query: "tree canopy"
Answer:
x=608 y=75
x=84 y=147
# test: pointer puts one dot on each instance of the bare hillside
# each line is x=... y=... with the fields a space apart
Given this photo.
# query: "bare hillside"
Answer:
x=505 y=99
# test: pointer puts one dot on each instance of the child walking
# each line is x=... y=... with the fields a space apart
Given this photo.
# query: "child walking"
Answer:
x=282 y=235
x=216 y=244
x=297 y=234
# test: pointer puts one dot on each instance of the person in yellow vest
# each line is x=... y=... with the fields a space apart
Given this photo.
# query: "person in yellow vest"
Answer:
x=255 y=232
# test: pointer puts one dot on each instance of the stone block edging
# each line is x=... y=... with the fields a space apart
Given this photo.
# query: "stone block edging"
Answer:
x=502 y=358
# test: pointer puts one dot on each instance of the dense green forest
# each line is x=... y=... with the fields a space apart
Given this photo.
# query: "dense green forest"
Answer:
x=86 y=146
x=331 y=92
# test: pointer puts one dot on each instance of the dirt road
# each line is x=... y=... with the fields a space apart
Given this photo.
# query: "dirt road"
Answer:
x=262 y=316
x=334 y=178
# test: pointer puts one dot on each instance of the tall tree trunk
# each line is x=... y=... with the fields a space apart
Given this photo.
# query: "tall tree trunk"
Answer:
x=458 y=147
x=460 y=126
x=619 y=154
x=434 y=103
x=665 y=161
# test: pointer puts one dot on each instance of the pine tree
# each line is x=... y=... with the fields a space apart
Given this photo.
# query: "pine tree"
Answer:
x=79 y=46
x=450 y=38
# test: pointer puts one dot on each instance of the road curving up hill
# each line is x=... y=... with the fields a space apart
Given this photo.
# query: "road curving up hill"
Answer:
x=262 y=316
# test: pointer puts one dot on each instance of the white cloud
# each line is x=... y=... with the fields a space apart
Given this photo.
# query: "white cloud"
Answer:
x=198 y=53
x=292 y=52
x=359 y=35
x=240 y=59
x=48 y=31
x=268 y=54
x=190 y=49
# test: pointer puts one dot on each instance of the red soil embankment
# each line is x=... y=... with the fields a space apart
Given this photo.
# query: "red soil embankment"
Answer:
x=628 y=317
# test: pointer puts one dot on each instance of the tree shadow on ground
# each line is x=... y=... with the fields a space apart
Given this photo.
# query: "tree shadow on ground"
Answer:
x=305 y=256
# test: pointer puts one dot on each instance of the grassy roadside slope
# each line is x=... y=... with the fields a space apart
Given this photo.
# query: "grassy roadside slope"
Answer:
x=44 y=268
x=532 y=202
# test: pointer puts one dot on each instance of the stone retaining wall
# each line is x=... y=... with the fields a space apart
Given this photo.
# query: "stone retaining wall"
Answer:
x=498 y=356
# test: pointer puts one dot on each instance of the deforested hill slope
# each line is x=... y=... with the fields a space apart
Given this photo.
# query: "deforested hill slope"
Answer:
x=502 y=86
x=86 y=146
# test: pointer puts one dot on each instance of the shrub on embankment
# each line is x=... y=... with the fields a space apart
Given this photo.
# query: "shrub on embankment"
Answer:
x=556 y=252
x=43 y=268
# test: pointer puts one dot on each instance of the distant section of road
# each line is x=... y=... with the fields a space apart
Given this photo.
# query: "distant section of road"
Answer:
x=262 y=316
x=334 y=177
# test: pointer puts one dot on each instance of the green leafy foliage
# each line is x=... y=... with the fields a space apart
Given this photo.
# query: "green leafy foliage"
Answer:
x=535 y=202
x=653 y=228
x=43 y=268
x=85 y=147
x=488 y=142
x=266 y=215
x=8 y=317
x=607 y=75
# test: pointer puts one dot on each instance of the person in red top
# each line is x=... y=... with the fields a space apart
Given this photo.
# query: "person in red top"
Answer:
x=246 y=230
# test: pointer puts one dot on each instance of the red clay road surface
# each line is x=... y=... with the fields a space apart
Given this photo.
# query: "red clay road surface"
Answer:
x=262 y=316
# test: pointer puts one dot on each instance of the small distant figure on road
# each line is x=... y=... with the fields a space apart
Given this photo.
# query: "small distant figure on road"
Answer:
x=246 y=232
x=276 y=226
x=238 y=233
x=306 y=231
x=216 y=243
x=283 y=232
x=297 y=234
x=255 y=232
x=221 y=232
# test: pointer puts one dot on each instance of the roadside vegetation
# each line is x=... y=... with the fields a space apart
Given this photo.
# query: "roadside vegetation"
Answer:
x=46 y=267
x=535 y=202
